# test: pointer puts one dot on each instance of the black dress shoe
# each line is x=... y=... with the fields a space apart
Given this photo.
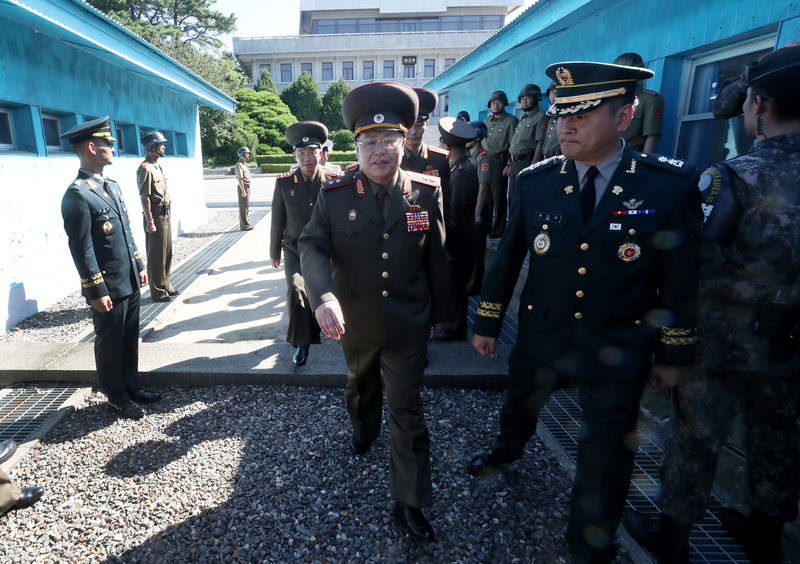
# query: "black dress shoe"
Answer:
x=128 y=408
x=415 y=521
x=248 y=228
x=28 y=497
x=359 y=447
x=163 y=299
x=483 y=466
x=7 y=450
x=144 y=395
x=666 y=539
x=300 y=356
x=173 y=292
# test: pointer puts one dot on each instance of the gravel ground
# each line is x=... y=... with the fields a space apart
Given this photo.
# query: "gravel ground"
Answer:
x=264 y=474
x=70 y=318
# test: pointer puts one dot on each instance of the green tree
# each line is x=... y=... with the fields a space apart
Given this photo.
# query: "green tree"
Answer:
x=191 y=22
x=265 y=83
x=331 y=114
x=302 y=97
x=343 y=140
x=265 y=115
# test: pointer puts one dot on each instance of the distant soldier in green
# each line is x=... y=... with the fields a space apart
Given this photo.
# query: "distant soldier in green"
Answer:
x=108 y=262
x=455 y=134
x=292 y=204
x=748 y=333
x=550 y=146
x=156 y=206
x=648 y=117
x=500 y=126
x=526 y=143
x=483 y=207
x=243 y=181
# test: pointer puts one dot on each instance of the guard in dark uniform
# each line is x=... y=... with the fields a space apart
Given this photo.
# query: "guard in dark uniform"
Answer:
x=418 y=156
x=375 y=266
x=461 y=238
x=611 y=294
x=292 y=203
x=108 y=262
x=483 y=209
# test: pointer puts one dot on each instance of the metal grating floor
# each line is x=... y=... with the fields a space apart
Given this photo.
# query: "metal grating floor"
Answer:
x=709 y=541
x=24 y=408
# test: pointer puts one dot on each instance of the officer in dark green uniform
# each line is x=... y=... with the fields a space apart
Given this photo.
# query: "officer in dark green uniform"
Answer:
x=500 y=127
x=483 y=207
x=526 y=143
x=550 y=146
x=648 y=118
x=108 y=262
x=375 y=265
x=418 y=156
x=292 y=203
x=455 y=134
x=612 y=285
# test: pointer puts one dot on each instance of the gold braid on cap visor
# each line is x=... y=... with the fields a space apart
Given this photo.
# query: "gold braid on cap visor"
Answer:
x=586 y=100
x=381 y=126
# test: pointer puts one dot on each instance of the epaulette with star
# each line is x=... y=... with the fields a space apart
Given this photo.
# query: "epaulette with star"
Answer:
x=439 y=150
x=424 y=178
x=664 y=162
x=338 y=182
x=351 y=167
x=545 y=164
x=285 y=175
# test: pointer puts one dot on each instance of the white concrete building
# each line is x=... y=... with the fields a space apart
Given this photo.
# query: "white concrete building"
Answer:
x=361 y=41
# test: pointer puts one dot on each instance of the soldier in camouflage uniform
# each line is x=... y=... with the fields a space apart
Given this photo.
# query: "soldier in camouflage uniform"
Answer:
x=752 y=249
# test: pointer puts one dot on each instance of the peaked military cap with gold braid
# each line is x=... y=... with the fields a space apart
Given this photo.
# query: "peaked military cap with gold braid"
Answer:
x=584 y=86
x=384 y=105
x=99 y=128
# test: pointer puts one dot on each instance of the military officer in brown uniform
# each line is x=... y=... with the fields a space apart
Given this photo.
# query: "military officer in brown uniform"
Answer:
x=243 y=181
x=292 y=203
x=156 y=204
x=418 y=156
x=550 y=146
x=526 y=143
x=500 y=126
x=648 y=117
x=607 y=303
x=375 y=265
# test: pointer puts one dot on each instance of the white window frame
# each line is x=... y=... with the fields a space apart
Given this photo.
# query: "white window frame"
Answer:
x=13 y=145
x=57 y=119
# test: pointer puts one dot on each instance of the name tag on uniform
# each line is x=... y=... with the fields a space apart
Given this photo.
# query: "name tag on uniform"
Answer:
x=549 y=217
x=417 y=221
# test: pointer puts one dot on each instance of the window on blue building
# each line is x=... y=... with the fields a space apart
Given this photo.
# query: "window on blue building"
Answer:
x=6 y=129
x=52 y=132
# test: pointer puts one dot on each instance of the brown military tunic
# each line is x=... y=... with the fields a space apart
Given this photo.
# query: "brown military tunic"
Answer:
x=152 y=182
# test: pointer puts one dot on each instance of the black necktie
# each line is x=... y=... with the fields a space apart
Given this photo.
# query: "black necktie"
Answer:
x=380 y=196
x=588 y=194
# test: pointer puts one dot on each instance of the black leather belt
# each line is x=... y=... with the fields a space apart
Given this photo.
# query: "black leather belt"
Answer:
x=522 y=157
x=164 y=208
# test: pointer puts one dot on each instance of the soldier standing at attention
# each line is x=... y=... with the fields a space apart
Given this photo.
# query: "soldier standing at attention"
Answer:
x=108 y=262
x=376 y=270
x=156 y=204
x=418 y=156
x=483 y=208
x=292 y=203
x=243 y=179
x=499 y=129
x=750 y=251
x=526 y=143
x=550 y=146
x=648 y=117
x=455 y=134
x=612 y=285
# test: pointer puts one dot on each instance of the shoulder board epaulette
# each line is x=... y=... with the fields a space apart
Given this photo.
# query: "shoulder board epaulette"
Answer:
x=285 y=174
x=423 y=178
x=652 y=92
x=482 y=152
x=546 y=164
x=661 y=161
x=79 y=181
x=438 y=150
x=144 y=164
x=338 y=182
x=351 y=166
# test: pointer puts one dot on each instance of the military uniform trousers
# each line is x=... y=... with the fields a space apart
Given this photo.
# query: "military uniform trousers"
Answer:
x=516 y=167
x=605 y=449
x=9 y=493
x=705 y=407
x=402 y=369
x=303 y=328
x=116 y=347
x=244 y=206
x=499 y=193
x=159 y=257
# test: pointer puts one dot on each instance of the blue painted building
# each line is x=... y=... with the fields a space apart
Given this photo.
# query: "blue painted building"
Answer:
x=692 y=47
x=61 y=63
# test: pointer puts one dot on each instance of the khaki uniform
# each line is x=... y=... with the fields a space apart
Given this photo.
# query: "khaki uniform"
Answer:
x=388 y=270
x=523 y=144
x=551 y=147
x=243 y=175
x=648 y=118
x=498 y=139
x=292 y=204
x=152 y=182
x=9 y=492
